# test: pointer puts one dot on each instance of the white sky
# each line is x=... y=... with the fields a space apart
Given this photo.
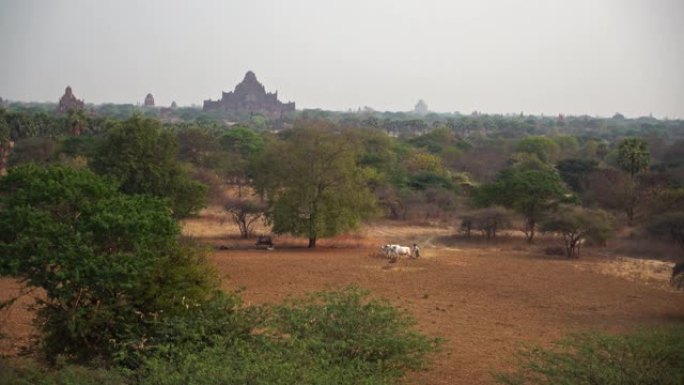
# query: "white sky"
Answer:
x=593 y=57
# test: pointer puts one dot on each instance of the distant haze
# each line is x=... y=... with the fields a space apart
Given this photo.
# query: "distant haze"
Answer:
x=593 y=57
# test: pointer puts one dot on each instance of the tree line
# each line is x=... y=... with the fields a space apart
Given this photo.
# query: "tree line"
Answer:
x=319 y=177
x=89 y=209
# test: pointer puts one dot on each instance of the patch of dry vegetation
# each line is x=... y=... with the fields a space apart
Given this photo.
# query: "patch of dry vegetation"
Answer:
x=644 y=271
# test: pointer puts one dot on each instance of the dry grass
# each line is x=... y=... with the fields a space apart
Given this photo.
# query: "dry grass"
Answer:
x=644 y=271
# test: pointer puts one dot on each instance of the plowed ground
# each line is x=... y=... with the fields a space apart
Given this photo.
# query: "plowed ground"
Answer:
x=484 y=299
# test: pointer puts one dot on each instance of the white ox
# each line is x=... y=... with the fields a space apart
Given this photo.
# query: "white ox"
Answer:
x=394 y=251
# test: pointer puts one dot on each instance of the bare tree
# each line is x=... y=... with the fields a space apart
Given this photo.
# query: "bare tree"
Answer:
x=245 y=213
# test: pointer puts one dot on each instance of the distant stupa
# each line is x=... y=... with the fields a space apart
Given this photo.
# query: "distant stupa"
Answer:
x=250 y=97
x=149 y=101
x=69 y=102
x=421 y=108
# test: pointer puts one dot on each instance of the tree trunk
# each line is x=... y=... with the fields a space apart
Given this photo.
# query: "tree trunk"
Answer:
x=630 y=215
x=530 y=230
x=312 y=243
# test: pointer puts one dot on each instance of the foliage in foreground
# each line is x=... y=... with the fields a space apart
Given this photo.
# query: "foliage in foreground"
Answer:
x=337 y=337
x=110 y=264
x=646 y=357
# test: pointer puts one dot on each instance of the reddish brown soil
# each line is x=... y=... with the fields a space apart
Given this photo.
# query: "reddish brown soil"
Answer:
x=484 y=300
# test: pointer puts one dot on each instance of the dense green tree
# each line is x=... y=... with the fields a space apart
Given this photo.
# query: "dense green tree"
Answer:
x=436 y=141
x=110 y=264
x=21 y=125
x=197 y=145
x=544 y=148
x=530 y=193
x=614 y=189
x=669 y=225
x=633 y=155
x=141 y=156
x=647 y=356
x=667 y=216
x=674 y=155
x=6 y=143
x=375 y=150
x=78 y=146
x=313 y=184
x=242 y=140
x=568 y=146
x=240 y=145
x=37 y=149
x=574 y=172
x=526 y=161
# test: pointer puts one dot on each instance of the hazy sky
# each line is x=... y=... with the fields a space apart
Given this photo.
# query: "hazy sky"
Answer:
x=593 y=57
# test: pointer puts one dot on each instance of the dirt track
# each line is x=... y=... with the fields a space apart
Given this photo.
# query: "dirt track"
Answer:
x=485 y=301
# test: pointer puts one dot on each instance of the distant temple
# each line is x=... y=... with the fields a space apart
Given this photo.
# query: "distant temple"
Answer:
x=149 y=101
x=421 y=108
x=69 y=102
x=250 y=97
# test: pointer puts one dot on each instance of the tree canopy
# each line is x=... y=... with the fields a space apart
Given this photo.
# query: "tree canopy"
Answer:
x=544 y=148
x=577 y=224
x=109 y=263
x=141 y=156
x=633 y=155
x=530 y=193
x=313 y=184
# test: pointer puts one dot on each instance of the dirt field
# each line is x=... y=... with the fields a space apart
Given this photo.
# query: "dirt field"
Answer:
x=485 y=300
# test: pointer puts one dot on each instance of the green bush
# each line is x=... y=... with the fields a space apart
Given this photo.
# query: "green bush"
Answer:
x=198 y=326
x=327 y=338
x=345 y=325
x=645 y=357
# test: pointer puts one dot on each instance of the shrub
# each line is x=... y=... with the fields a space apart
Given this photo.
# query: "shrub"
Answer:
x=193 y=329
x=345 y=325
x=326 y=338
x=577 y=224
x=645 y=357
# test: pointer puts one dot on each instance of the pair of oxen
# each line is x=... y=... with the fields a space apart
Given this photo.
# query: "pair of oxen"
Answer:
x=395 y=251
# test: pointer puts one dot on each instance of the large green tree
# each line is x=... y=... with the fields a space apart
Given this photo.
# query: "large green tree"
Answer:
x=241 y=145
x=531 y=193
x=667 y=216
x=544 y=148
x=110 y=264
x=312 y=183
x=141 y=156
x=575 y=171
